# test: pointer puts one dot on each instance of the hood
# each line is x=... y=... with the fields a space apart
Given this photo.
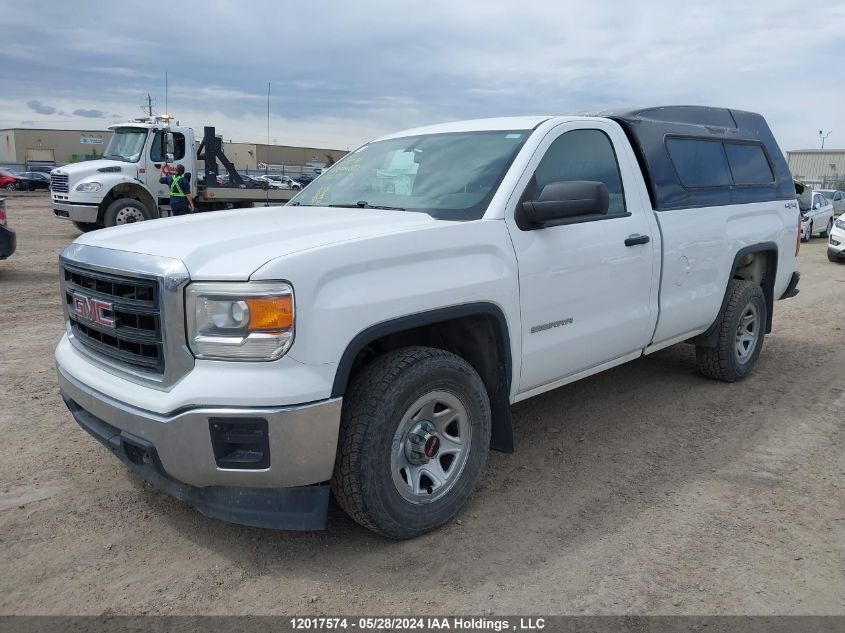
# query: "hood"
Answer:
x=90 y=167
x=231 y=245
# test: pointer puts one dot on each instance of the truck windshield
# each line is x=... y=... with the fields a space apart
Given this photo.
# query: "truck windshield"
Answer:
x=126 y=144
x=449 y=176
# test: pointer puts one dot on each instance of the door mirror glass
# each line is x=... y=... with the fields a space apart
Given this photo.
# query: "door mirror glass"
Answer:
x=170 y=144
x=565 y=200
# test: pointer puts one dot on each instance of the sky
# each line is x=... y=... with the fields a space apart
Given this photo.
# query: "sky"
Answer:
x=341 y=73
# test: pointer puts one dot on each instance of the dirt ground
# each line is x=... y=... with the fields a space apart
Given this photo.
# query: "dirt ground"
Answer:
x=647 y=489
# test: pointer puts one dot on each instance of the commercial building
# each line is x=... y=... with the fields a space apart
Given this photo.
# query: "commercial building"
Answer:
x=28 y=147
x=820 y=168
x=24 y=148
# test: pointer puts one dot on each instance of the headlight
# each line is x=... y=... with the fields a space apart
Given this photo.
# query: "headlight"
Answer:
x=840 y=224
x=251 y=321
x=89 y=187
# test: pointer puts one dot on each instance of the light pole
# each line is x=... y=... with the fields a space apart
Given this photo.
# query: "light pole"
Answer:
x=823 y=136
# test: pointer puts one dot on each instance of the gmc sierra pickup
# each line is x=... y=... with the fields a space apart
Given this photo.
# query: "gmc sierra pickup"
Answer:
x=369 y=337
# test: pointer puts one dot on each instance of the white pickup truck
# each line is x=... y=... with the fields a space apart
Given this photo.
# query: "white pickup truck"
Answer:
x=369 y=337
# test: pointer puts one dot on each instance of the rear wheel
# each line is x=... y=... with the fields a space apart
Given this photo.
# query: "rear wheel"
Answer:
x=85 y=227
x=125 y=211
x=414 y=438
x=826 y=232
x=741 y=328
x=10 y=186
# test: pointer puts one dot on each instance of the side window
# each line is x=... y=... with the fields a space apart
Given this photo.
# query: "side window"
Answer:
x=178 y=146
x=749 y=164
x=583 y=155
x=699 y=163
x=157 y=148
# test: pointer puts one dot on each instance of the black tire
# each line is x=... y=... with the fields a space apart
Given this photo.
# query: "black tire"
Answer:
x=724 y=361
x=380 y=397
x=834 y=258
x=85 y=227
x=826 y=232
x=809 y=233
x=125 y=211
x=10 y=186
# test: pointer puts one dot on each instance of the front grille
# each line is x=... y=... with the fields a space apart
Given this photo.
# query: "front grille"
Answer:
x=59 y=182
x=131 y=333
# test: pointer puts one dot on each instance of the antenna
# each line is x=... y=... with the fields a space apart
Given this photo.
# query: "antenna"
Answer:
x=165 y=93
x=267 y=191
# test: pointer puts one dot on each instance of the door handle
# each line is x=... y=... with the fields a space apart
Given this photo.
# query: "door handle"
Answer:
x=633 y=240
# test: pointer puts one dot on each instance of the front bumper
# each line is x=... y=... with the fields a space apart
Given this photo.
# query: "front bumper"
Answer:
x=78 y=212
x=8 y=242
x=175 y=453
x=836 y=242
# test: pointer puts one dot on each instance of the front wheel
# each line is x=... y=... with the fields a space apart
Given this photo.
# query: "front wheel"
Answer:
x=833 y=258
x=10 y=187
x=415 y=432
x=741 y=328
x=125 y=211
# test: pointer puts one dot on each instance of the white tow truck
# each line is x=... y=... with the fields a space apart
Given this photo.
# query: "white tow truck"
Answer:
x=123 y=187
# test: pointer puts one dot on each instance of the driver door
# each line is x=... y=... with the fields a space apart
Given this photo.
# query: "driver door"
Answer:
x=588 y=288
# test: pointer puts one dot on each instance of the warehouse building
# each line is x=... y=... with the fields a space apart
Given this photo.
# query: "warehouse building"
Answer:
x=820 y=168
x=25 y=148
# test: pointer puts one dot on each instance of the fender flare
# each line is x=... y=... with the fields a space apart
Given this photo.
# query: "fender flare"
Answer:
x=502 y=429
x=143 y=195
x=709 y=337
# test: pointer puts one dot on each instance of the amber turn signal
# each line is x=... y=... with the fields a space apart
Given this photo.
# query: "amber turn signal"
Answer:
x=270 y=314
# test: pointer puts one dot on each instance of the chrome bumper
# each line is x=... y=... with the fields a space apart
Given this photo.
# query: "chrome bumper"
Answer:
x=76 y=212
x=302 y=439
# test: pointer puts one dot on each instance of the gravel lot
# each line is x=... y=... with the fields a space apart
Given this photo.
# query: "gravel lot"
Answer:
x=647 y=489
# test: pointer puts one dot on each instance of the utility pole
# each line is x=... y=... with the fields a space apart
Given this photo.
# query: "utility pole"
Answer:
x=823 y=136
x=148 y=106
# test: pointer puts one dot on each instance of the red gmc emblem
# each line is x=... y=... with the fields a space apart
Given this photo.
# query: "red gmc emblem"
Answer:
x=93 y=310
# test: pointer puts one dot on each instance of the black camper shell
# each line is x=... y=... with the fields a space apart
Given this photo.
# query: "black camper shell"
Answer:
x=673 y=142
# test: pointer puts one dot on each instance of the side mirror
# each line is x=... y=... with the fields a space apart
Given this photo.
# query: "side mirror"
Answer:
x=818 y=205
x=562 y=200
x=169 y=143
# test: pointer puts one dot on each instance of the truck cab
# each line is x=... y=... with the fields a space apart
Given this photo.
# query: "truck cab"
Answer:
x=123 y=187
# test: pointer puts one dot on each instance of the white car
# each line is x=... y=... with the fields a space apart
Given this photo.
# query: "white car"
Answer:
x=836 y=198
x=816 y=215
x=836 y=243
x=277 y=181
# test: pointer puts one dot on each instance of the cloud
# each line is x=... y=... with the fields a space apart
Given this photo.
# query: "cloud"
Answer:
x=40 y=108
x=372 y=70
x=90 y=114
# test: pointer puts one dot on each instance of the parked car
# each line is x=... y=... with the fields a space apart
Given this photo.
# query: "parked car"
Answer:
x=836 y=198
x=370 y=343
x=8 y=239
x=816 y=214
x=306 y=179
x=278 y=181
x=8 y=180
x=836 y=241
x=32 y=180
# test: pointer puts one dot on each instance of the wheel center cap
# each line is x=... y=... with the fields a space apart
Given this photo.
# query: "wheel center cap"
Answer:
x=422 y=444
x=432 y=445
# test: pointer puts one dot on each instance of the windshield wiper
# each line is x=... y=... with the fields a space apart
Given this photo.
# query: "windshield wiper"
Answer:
x=363 y=204
x=115 y=157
